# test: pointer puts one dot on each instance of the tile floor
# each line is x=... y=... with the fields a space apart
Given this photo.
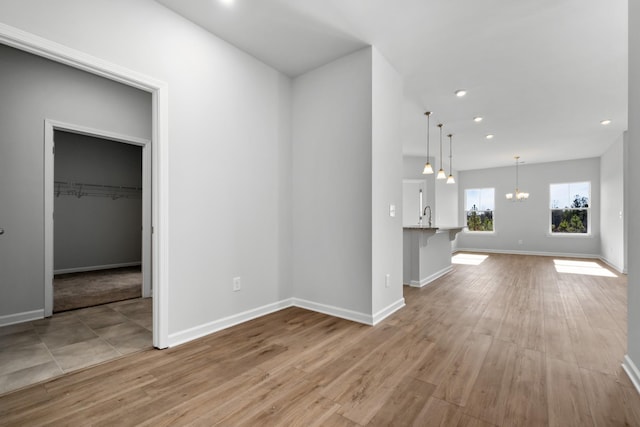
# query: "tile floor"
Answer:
x=34 y=351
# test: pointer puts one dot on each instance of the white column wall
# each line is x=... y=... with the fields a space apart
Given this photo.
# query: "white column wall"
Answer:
x=386 y=188
x=332 y=186
x=612 y=205
x=632 y=362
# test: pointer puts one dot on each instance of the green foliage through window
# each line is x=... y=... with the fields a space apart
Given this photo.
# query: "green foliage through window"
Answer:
x=569 y=205
x=479 y=204
x=479 y=220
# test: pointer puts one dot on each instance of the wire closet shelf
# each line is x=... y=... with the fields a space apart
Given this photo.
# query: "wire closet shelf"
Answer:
x=80 y=190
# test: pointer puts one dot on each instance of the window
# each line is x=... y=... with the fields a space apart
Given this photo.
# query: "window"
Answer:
x=569 y=205
x=478 y=208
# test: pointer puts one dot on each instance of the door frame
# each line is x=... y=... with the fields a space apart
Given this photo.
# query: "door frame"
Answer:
x=36 y=45
x=50 y=126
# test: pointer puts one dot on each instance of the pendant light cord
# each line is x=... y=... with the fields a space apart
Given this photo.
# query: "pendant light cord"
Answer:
x=450 y=154
x=440 y=126
x=428 y=114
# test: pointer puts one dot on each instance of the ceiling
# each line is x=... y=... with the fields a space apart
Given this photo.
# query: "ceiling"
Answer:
x=541 y=73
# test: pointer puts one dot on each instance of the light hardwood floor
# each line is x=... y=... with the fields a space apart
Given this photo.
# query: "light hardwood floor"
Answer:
x=510 y=342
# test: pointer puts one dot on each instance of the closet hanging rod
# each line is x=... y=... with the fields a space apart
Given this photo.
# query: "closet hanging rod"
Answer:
x=111 y=187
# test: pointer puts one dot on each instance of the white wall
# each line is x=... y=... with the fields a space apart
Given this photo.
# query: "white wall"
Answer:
x=612 y=211
x=95 y=231
x=332 y=184
x=447 y=201
x=33 y=89
x=528 y=221
x=229 y=138
x=412 y=167
x=386 y=184
x=633 y=347
x=347 y=170
x=411 y=209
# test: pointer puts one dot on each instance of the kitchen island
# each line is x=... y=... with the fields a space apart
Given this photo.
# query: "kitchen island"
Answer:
x=426 y=253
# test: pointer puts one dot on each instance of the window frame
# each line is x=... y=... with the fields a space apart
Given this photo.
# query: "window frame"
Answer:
x=493 y=212
x=587 y=209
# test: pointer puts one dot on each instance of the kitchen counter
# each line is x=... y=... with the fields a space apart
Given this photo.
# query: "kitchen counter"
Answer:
x=426 y=253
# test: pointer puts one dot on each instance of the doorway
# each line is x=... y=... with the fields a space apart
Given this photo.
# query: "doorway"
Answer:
x=31 y=43
x=97 y=221
x=97 y=169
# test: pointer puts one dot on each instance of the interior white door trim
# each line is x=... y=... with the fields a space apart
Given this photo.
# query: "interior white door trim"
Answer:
x=50 y=126
x=28 y=42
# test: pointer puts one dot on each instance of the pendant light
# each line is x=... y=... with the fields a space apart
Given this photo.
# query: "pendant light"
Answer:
x=518 y=196
x=441 y=174
x=450 y=179
x=427 y=166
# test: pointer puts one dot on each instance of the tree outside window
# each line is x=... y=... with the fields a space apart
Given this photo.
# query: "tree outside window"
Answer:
x=570 y=207
x=479 y=206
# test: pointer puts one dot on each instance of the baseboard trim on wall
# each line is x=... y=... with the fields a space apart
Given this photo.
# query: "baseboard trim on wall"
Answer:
x=26 y=316
x=226 y=322
x=96 y=267
x=632 y=371
x=534 y=253
x=612 y=265
x=218 y=325
x=388 y=311
x=331 y=310
x=431 y=278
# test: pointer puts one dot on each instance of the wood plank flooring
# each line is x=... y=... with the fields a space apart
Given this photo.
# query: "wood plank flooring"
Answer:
x=509 y=342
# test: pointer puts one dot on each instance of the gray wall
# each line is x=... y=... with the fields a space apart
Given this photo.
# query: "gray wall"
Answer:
x=633 y=348
x=33 y=89
x=347 y=171
x=411 y=210
x=386 y=184
x=228 y=171
x=411 y=171
x=529 y=220
x=612 y=212
x=332 y=179
x=96 y=231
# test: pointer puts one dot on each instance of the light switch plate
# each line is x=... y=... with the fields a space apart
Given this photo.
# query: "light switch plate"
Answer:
x=392 y=210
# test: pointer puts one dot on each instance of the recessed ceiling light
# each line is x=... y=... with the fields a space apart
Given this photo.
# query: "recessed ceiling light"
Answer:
x=460 y=93
x=227 y=2
x=605 y=122
x=477 y=119
x=490 y=136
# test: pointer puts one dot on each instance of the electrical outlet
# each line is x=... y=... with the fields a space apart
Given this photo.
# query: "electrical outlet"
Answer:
x=520 y=241
x=236 y=284
x=387 y=281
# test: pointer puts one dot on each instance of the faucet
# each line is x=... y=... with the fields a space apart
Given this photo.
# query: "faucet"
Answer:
x=424 y=213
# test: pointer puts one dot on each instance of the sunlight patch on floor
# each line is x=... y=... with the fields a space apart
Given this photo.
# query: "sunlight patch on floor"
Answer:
x=589 y=268
x=468 y=259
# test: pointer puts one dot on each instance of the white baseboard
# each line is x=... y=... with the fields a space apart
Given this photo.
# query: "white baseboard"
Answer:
x=26 y=316
x=387 y=311
x=511 y=252
x=96 y=267
x=226 y=322
x=218 y=325
x=331 y=310
x=632 y=371
x=612 y=265
x=431 y=278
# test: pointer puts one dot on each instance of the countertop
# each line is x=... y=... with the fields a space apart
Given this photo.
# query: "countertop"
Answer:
x=425 y=228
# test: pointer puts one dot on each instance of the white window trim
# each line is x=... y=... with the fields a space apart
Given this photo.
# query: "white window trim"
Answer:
x=588 y=234
x=480 y=233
